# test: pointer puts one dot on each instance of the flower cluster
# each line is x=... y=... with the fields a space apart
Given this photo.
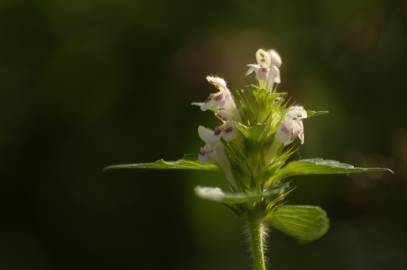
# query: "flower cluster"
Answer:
x=258 y=109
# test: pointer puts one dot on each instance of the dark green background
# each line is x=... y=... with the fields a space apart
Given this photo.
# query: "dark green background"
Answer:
x=85 y=84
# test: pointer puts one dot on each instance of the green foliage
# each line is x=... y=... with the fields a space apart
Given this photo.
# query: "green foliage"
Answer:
x=252 y=134
x=322 y=166
x=311 y=113
x=182 y=164
x=257 y=105
x=261 y=112
x=305 y=223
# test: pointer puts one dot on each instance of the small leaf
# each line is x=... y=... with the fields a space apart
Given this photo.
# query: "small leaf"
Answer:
x=161 y=164
x=198 y=104
x=321 y=166
x=252 y=133
x=305 y=223
x=311 y=114
x=217 y=195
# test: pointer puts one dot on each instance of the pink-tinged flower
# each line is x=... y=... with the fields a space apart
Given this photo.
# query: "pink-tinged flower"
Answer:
x=296 y=112
x=221 y=102
x=208 y=135
x=205 y=153
x=267 y=69
x=218 y=82
x=226 y=131
x=291 y=126
x=213 y=151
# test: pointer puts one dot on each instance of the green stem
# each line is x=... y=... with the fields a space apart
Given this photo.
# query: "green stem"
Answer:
x=257 y=235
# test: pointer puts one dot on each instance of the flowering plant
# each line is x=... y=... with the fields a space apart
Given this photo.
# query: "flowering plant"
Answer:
x=257 y=135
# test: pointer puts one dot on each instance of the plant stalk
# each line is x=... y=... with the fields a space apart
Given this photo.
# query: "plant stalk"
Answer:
x=257 y=236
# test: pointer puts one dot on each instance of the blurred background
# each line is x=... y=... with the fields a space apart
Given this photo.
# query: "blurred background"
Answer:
x=89 y=83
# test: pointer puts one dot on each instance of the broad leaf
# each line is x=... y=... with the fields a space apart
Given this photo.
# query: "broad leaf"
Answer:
x=311 y=114
x=305 y=223
x=217 y=195
x=182 y=164
x=321 y=166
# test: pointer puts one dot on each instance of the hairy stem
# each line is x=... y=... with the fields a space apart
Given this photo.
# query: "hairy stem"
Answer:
x=257 y=236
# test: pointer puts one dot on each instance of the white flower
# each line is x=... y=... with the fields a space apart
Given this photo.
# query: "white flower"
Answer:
x=222 y=101
x=205 y=153
x=273 y=77
x=296 y=113
x=208 y=135
x=213 y=151
x=275 y=58
x=215 y=101
x=291 y=126
x=289 y=130
x=227 y=131
x=218 y=82
x=267 y=68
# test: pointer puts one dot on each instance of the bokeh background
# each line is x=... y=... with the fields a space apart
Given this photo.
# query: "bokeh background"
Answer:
x=88 y=83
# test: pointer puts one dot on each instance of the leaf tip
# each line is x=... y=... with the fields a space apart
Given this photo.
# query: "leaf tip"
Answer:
x=389 y=170
x=108 y=168
x=312 y=113
x=197 y=104
x=380 y=170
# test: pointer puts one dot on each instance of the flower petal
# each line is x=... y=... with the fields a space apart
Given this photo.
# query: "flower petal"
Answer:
x=289 y=130
x=301 y=132
x=263 y=58
x=203 y=156
x=276 y=74
x=228 y=132
x=251 y=68
x=218 y=82
x=208 y=135
x=296 y=112
x=275 y=59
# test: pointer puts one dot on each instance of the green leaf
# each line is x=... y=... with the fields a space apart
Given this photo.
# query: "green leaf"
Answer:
x=198 y=104
x=252 y=133
x=218 y=195
x=305 y=223
x=321 y=166
x=256 y=104
x=182 y=164
x=311 y=114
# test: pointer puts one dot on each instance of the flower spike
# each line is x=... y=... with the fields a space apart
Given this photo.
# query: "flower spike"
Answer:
x=251 y=147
